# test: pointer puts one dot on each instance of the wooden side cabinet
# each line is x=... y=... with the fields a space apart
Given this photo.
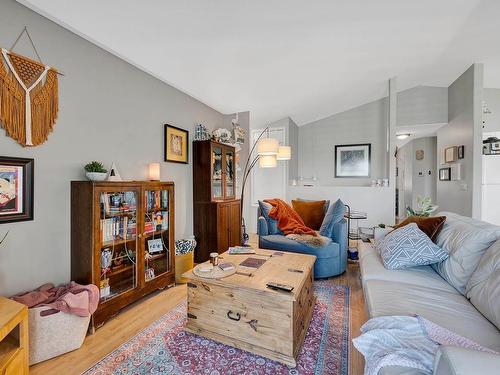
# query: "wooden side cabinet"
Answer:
x=14 y=345
x=216 y=211
x=122 y=240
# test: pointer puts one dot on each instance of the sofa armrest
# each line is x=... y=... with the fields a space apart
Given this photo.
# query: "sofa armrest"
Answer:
x=339 y=235
x=451 y=360
x=262 y=228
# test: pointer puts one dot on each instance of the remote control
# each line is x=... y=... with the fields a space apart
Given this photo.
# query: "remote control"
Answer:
x=278 y=286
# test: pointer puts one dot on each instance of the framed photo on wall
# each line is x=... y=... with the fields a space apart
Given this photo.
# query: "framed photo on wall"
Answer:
x=176 y=144
x=16 y=189
x=451 y=154
x=445 y=174
x=353 y=160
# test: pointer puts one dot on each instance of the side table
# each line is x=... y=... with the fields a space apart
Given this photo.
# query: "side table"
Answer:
x=14 y=345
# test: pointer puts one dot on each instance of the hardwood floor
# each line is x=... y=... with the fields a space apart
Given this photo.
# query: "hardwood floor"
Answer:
x=144 y=312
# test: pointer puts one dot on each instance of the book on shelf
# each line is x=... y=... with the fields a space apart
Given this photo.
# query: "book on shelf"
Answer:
x=116 y=228
x=156 y=200
x=114 y=203
x=241 y=250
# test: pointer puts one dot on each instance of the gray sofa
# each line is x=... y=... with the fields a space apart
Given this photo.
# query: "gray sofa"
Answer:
x=461 y=294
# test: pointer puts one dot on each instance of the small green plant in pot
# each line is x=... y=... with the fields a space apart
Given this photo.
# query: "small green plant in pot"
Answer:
x=95 y=171
x=424 y=208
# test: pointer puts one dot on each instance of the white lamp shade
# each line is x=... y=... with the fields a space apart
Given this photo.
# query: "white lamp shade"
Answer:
x=268 y=161
x=284 y=153
x=154 y=171
x=268 y=146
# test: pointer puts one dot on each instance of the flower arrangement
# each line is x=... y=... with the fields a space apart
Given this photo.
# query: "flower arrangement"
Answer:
x=425 y=208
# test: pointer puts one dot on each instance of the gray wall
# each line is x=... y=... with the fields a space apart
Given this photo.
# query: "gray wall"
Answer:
x=366 y=124
x=109 y=111
x=464 y=128
x=492 y=120
x=293 y=142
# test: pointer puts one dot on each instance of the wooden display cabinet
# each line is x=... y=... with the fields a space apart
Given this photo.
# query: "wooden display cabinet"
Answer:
x=122 y=240
x=217 y=211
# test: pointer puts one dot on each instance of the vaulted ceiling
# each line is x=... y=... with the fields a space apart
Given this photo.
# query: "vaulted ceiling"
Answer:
x=303 y=59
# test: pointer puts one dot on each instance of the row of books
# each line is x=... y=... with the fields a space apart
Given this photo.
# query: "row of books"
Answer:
x=118 y=228
x=156 y=200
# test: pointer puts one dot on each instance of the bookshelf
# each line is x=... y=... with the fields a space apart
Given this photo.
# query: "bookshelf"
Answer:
x=122 y=240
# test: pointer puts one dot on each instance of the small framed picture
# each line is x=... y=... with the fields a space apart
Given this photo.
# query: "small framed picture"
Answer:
x=16 y=189
x=461 y=152
x=445 y=174
x=176 y=144
x=451 y=154
x=352 y=160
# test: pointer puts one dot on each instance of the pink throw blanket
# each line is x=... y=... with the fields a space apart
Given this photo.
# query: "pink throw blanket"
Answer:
x=72 y=298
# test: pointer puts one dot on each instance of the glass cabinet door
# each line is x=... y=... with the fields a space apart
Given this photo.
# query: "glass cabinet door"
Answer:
x=229 y=174
x=118 y=243
x=217 y=172
x=156 y=234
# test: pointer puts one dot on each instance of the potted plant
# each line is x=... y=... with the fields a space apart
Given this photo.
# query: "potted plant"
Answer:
x=95 y=171
x=425 y=208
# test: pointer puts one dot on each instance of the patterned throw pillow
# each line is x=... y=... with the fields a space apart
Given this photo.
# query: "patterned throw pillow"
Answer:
x=408 y=247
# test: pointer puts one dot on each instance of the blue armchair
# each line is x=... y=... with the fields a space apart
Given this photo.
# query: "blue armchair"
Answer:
x=331 y=260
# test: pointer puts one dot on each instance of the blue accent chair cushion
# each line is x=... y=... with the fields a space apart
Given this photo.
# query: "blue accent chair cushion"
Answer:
x=331 y=260
x=272 y=225
x=334 y=214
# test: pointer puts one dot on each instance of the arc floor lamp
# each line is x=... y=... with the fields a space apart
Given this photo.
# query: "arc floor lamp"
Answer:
x=269 y=152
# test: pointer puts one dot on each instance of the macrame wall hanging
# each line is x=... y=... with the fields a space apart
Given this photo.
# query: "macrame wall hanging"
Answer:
x=28 y=96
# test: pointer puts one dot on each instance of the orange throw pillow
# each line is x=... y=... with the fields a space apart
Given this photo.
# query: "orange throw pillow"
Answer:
x=312 y=213
x=431 y=226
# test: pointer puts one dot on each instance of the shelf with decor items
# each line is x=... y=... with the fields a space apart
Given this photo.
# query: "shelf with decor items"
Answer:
x=122 y=240
x=217 y=211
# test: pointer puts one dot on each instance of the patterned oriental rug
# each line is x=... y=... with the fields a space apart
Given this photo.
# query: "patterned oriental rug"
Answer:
x=165 y=348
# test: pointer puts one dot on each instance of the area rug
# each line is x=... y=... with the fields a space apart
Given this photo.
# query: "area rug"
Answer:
x=165 y=348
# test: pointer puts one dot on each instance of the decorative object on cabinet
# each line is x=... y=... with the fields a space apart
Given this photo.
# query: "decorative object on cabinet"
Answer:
x=222 y=135
x=201 y=133
x=176 y=144
x=238 y=132
x=95 y=171
x=445 y=174
x=217 y=212
x=268 y=150
x=451 y=154
x=461 y=152
x=352 y=161
x=16 y=189
x=14 y=344
x=112 y=224
x=29 y=96
x=114 y=175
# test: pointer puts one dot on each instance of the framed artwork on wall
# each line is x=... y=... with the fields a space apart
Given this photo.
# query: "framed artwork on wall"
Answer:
x=445 y=174
x=352 y=160
x=16 y=189
x=461 y=152
x=176 y=144
x=451 y=154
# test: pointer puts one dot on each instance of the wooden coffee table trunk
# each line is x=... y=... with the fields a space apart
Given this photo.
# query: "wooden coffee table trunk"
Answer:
x=241 y=311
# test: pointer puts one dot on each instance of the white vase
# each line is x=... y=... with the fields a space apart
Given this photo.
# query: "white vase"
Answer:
x=96 y=176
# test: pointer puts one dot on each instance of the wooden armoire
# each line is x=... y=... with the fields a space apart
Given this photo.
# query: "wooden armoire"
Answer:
x=216 y=209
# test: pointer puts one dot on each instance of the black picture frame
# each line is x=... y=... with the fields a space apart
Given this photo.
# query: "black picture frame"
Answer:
x=167 y=152
x=445 y=174
x=461 y=152
x=27 y=189
x=338 y=148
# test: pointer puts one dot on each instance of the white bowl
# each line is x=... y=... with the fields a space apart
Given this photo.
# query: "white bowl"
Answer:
x=96 y=176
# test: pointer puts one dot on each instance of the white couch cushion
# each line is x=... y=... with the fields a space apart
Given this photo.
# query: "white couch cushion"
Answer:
x=449 y=310
x=451 y=360
x=483 y=288
x=372 y=268
x=466 y=240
